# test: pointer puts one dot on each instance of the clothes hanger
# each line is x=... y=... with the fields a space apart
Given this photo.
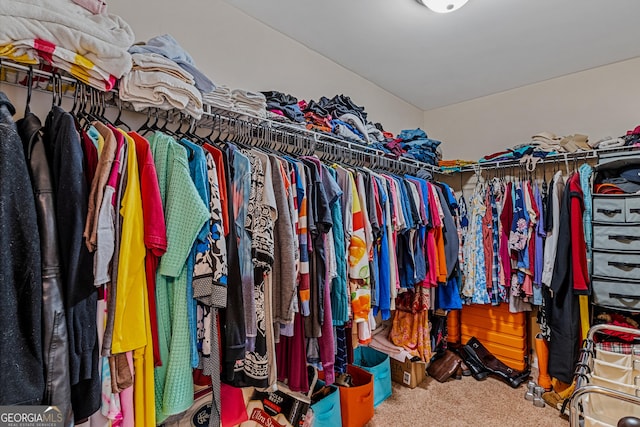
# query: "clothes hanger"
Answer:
x=207 y=139
x=145 y=127
x=181 y=137
x=118 y=120
x=170 y=119
x=103 y=108
x=79 y=104
x=27 y=107
x=94 y=110
x=216 y=129
x=56 y=90
x=76 y=96
x=224 y=129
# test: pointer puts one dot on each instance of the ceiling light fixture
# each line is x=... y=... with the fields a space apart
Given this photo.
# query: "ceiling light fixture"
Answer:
x=443 y=6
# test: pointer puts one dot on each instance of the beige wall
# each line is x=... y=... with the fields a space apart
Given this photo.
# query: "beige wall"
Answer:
x=600 y=102
x=239 y=51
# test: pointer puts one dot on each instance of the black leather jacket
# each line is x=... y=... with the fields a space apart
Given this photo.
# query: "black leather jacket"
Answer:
x=54 y=326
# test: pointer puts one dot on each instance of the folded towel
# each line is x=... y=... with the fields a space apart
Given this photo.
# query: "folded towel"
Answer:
x=249 y=97
x=102 y=40
x=154 y=62
x=610 y=143
x=220 y=97
x=145 y=89
x=167 y=46
x=30 y=51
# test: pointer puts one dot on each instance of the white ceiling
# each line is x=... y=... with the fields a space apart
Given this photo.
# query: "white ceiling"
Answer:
x=488 y=46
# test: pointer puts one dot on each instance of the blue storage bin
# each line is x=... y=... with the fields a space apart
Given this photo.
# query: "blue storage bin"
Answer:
x=378 y=364
x=327 y=412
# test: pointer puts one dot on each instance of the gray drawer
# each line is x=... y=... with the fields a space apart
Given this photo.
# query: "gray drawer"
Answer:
x=609 y=208
x=632 y=209
x=616 y=237
x=616 y=265
x=618 y=294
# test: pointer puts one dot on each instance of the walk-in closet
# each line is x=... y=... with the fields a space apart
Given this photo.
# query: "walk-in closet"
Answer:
x=278 y=213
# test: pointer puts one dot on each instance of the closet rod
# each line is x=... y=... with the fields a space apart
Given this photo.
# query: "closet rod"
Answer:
x=551 y=158
x=365 y=156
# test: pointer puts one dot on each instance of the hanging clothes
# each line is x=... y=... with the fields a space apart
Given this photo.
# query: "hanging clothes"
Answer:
x=22 y=352
x=65 y=156
x=55 y=342
x=185 y=214
x=562 y=310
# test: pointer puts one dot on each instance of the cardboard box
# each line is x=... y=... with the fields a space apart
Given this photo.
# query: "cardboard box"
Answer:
x=408 y=373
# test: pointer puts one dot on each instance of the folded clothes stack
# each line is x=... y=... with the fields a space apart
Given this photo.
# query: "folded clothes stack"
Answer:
x=632 y=138
x=541 y=145
x=346 y=131
x=356 y=124
x=345 y=120
x=417 y=145
x=448 y=166
x=375 y=134
x=317 y=123
x=156 y=81
x=284 y=105
x=168 y=47
x=339 y=105
x=220 y=97
x=250 y=103
x=91 y=47
x=164 y=76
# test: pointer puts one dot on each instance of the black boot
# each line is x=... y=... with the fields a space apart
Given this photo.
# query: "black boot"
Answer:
x=490 y=363
x=475 y=366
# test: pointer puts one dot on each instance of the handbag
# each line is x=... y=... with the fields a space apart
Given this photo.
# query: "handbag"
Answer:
x=444 y=367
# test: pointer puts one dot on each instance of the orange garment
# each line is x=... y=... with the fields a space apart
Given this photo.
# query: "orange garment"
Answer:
x=456 y=162
x=359 y=270
x=411 y=331
x=318 y=128
x=440 y=256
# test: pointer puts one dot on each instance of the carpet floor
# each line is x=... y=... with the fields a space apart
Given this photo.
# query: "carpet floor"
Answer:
x=461 y=403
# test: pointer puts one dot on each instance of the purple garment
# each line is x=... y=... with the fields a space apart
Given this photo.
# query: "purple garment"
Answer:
x=326 y=341
x=291 y=358
x=540 y=235
x=506 y=218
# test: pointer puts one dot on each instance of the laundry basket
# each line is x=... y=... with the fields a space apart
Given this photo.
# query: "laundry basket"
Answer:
x=607 y=383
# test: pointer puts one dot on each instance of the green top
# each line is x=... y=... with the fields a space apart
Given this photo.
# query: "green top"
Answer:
x=185 y=214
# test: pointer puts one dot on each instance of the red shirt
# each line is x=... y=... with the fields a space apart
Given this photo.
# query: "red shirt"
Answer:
x=222 y=184
x=578 y=244
x=155 y=230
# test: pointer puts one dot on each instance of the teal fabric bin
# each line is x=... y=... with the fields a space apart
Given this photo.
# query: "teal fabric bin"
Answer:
x=379 y=365
x=326 y=411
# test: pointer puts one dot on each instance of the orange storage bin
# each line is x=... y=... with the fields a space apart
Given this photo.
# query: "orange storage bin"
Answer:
x=503 y=333
x=356 y=402
x=453 y=326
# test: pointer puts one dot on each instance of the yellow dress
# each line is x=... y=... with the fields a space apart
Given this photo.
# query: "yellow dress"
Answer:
x=132 y=325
